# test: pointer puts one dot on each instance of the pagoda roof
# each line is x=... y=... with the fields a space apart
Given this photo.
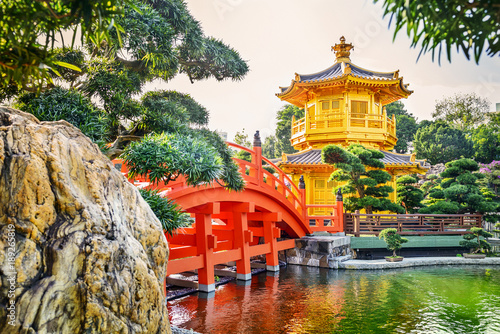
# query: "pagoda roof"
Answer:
x=344 y=74
x=338 y=70
x=342 y=71
x=313 y=157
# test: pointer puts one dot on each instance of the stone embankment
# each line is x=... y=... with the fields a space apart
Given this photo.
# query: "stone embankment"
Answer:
x=415 y=262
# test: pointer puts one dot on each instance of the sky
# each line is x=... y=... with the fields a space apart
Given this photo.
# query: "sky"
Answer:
x=279 y=38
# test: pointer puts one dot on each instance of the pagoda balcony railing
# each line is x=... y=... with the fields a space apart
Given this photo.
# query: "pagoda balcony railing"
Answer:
x=339 y=122
x=298 y=126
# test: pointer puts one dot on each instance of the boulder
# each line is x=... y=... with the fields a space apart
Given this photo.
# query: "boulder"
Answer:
x=80 y=250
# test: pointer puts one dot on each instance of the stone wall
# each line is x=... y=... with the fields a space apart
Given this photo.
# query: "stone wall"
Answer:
x=319 y=251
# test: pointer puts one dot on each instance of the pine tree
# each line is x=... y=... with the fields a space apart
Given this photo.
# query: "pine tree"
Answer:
x=364 y=176
x=458 y=192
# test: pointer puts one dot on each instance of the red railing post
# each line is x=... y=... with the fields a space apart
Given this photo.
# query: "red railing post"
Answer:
x=340 y=211
x=302 y=189
x=257 y=157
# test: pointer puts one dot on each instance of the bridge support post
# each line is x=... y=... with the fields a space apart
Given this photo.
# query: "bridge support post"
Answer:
x=242 y=238
x=271 y=234
x=206 y=242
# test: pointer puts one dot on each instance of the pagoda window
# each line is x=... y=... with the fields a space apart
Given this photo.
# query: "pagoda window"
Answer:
x=359 y=107
x=328 y=107
x=325 y=106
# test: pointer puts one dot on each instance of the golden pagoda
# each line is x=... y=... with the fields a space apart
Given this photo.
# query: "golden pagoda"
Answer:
x=343 y=104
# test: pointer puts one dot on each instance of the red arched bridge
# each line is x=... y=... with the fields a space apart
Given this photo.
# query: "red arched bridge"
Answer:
x=231 y=226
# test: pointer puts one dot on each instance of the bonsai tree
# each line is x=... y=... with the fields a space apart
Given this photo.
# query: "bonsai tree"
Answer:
x=458 y=192
x=393 y=240
x=409 y=196
x=365 y=178
x=473 y=240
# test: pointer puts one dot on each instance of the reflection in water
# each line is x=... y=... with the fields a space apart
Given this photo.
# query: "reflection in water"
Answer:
x=313 y=300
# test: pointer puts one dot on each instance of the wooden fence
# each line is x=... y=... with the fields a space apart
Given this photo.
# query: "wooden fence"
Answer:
x=414 y=224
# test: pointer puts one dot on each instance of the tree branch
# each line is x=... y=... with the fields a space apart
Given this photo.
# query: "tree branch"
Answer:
x=119 y=145
x=136 y=65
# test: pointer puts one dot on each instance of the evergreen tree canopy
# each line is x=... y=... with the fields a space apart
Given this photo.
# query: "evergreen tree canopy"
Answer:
x=156 y=39
x=284 y=128
x=393 y=240
x=397 y=108
x=166 y=210
x=458 y=191
x=409 y=196
x=406 y=125
x=440 y=143
x=241 y=138
x=406 y=128
x=364 y=177
x=486 y=139
x=269 y=149
x=30 y=29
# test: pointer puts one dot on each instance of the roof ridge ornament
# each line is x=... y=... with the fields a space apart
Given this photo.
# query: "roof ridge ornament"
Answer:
x=342 y=50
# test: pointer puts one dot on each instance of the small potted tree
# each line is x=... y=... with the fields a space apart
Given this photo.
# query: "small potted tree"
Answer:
x=394 y=242
x=474 y=243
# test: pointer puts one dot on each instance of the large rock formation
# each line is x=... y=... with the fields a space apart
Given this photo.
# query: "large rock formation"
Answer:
x=90 y=255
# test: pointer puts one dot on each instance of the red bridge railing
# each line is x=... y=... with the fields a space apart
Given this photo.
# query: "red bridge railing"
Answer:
x=280 y=185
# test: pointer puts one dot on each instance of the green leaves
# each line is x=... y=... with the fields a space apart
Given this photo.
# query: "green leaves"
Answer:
x=231 y=176
x=29 y=30
x=216 y=60
x=470 y=26
x=393 y=240
x=458 y=191
x=462 y=111
x=440 y=143
x=269 y=149
x=166 y=157
x=409 y=196
x=70 y=105
x=364 y=177
x=486 y=140
x=284 y=126
x=167 y=211
x=340 y=158
x=474 y=242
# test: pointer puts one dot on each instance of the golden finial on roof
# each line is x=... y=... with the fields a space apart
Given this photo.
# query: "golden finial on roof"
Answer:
x=342 y=50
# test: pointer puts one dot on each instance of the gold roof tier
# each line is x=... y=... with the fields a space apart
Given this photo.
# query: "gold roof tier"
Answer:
x=396 y=163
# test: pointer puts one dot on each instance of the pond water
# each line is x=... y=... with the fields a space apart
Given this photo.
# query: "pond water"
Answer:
x=449 y=299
